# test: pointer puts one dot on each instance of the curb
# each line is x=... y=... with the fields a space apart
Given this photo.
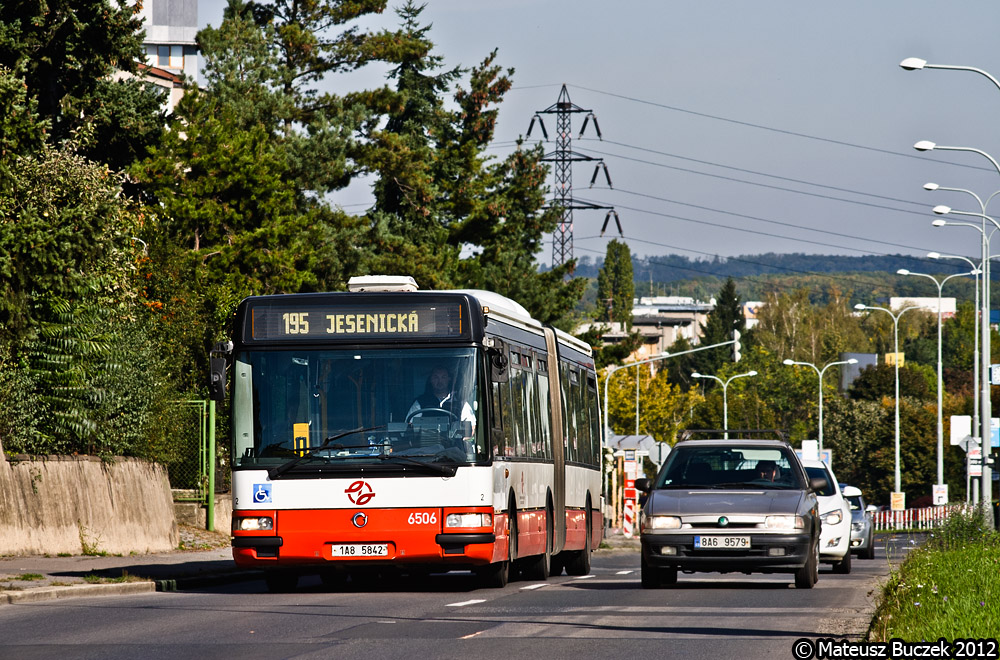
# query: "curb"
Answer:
x=185 y=583
x=51 y=593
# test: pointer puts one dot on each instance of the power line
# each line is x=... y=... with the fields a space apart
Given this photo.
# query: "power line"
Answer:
x=756 y=173
x=772 y=129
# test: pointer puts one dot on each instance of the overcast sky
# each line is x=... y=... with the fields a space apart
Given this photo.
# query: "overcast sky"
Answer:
x=741 y=127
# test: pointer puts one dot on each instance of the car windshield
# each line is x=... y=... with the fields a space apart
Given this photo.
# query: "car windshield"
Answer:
x=349 y=407
x=821 y=473
x=733 y=466
x=854 y=501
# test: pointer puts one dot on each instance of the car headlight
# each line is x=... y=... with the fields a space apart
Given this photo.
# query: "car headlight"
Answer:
x=832 y=517
x=655 y=523
x=784 y=522
x=255 y=524
x=858 y=527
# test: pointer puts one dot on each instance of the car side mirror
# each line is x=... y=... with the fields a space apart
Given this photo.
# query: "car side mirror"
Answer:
x=644 y=485
x=818 y=483
x=871 y=508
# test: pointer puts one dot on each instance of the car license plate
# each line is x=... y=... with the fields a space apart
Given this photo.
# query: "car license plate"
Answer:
x=722 y=542
x=359 y=550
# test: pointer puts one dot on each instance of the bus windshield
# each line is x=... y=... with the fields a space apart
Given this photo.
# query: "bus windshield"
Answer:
x=351 y=407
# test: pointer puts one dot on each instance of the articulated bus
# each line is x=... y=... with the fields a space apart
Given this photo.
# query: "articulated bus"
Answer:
x=386 y=430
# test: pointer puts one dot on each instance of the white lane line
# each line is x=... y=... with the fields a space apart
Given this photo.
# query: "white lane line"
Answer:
x=534 y=586
x=584 y=577
x=472 y=635
x=465 y=602
x=624 y=572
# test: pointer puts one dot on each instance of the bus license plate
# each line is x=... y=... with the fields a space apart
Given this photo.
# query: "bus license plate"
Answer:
x=359 y=550
x=722 y=542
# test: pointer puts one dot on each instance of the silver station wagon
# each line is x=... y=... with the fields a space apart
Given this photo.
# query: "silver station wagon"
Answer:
x=730 y=506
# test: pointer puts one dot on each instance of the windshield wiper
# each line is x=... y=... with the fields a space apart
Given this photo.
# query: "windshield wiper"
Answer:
x=444 y=470
x=275 y=472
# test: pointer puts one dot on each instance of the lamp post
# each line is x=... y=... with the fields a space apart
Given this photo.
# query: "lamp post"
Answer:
x=940 y=381
x=725 y=396
x=916 y=64
x=895 y=335
x=975 y=355
x=986 y=489
x=819 y=373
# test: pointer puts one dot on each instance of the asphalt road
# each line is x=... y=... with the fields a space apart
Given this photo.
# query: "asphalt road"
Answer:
x=605 y=615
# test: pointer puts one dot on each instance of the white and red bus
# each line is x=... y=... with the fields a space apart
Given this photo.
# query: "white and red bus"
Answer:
x=349 y=456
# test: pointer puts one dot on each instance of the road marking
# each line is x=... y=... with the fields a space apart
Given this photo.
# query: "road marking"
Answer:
x=534 y=586
x=465 y=602
x=472 y=635
x=584 y=577
x=624 y=572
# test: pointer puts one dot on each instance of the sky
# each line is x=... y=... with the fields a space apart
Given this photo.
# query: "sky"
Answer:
x=733 y=127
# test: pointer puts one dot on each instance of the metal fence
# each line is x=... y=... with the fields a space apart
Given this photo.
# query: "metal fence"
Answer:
x=187 y=467
x=926 y=518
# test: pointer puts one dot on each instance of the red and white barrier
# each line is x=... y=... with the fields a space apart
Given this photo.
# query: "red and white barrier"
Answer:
x=628 y=520
x=926 y=518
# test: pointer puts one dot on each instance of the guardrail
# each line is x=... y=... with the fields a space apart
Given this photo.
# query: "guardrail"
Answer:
x=926 y=518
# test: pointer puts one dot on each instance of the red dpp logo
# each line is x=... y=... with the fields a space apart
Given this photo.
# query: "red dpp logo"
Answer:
x=362 y=497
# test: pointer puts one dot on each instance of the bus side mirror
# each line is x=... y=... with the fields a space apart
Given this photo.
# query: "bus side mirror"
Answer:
x=217 y=370
x=499 y=373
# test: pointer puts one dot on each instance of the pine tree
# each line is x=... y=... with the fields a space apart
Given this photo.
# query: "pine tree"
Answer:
x=615 y=286
x=722 y=321
x=65 y=51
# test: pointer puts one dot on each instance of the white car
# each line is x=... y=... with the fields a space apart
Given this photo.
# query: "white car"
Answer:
x=835 y=514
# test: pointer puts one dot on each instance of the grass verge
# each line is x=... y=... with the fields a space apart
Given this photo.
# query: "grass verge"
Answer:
x=949 y=587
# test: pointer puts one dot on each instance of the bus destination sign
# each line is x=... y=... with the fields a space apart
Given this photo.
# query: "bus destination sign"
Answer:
x=271 y=322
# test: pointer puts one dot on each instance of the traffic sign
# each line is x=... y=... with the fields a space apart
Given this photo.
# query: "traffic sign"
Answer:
x=940 y=494
x=975 y=462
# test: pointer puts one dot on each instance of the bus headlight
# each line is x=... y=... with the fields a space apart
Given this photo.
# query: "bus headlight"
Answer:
x=468 y=520
x=656 y=523
x=256 y=524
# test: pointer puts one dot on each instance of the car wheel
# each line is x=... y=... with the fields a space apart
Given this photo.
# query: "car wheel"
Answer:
x=869 y=551
x=807 y=576
x=843 y=567
x=652 y=576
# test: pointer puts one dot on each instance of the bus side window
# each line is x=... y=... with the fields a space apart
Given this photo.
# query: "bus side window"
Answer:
x=570 y=413
x=506 y=404
x=544 y=415
x=595 y=423
x=584 y=452
x=497 y=432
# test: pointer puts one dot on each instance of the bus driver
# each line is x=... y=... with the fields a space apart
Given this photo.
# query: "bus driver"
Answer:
x=438 y=396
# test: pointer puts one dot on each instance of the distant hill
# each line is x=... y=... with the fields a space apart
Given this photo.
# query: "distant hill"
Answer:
x=869 y=278
x=672 y=267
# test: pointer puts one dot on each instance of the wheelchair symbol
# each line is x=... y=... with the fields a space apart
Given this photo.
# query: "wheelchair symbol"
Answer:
x=261 y=493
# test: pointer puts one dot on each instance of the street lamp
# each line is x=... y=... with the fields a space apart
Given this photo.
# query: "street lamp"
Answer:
x=725 y=399
x=895 y=334
x=986 y=490
x=975 y=353
x=820 y=372
x=916 y=64
x=940 y=381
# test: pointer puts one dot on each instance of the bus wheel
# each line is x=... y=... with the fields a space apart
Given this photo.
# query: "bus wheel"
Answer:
x=281 y=581
x=495 y=576
x=579 y=563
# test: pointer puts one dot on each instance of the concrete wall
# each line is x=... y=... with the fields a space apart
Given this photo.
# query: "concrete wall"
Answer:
x=80 y=505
